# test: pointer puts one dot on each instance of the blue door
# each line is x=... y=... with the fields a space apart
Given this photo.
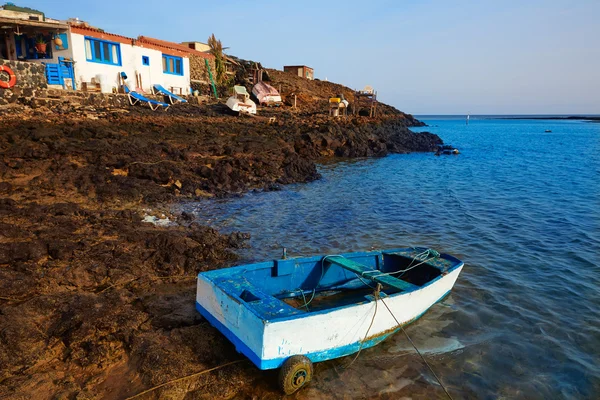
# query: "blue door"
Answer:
x=57 y=73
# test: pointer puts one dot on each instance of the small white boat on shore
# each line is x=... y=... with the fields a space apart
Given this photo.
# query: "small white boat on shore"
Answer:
x=291 y=313
x=266 y=94
x=240 y=101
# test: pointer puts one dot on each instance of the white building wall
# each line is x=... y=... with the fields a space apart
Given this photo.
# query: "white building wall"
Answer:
x=131 y=60
x=86 y=70
x=66 y=53
x=154 y=74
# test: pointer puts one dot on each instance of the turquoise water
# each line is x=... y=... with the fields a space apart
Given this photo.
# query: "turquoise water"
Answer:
x=519 y=206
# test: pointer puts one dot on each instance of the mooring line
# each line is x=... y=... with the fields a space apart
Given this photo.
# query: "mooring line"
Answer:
x=417 y=350
x=376 y=294
x=184 y=378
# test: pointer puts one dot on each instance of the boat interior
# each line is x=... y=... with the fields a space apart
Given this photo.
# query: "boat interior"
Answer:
x=240 y=93
x=290 y=287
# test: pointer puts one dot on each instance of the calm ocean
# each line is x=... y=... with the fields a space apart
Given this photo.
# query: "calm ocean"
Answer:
x=521 y=208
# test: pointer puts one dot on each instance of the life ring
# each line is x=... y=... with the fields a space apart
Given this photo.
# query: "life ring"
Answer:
x=13 y=78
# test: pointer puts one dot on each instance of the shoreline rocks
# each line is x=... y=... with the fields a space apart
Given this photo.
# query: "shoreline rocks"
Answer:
x=97 y=303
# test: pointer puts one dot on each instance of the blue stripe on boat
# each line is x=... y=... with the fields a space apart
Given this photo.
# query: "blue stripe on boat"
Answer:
x=314 y=357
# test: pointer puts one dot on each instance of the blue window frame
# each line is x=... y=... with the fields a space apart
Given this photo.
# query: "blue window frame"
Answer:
x=145 y=60
x=172 y=65
x=102 y=51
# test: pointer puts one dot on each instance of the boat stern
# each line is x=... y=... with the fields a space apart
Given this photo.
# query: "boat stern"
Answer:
x=228 y=313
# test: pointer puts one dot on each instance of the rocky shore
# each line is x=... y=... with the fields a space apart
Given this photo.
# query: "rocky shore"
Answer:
x=94 y=302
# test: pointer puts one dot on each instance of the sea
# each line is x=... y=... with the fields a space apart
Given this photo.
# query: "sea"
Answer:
x=520 y=205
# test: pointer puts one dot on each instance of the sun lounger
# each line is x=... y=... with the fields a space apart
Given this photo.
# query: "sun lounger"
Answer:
x=135 y=98
x=172 y=96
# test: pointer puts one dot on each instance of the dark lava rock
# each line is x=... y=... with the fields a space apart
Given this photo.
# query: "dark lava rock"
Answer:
x=90 y=291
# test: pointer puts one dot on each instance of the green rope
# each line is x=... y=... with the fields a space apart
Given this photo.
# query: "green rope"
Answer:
x=376 y=294
x=314 y=291
x=424 y=257
x=306 y=303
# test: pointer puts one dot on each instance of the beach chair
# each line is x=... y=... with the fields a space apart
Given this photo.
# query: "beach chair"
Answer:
x=135 y=98
x=172 y=96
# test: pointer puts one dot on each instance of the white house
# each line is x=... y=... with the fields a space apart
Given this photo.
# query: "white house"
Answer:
x=102 y=56
x=74 y=51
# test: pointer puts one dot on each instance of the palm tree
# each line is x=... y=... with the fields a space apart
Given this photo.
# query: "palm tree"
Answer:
x=216 y=49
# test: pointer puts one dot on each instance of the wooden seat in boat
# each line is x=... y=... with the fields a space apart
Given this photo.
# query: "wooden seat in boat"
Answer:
x=371 y=274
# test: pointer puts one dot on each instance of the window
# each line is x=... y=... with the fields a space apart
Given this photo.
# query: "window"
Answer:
x=172 y=65
x=103 y=52
x=145 y=60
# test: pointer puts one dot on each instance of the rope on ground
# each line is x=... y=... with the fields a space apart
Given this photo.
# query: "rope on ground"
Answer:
x=10 y=298
x=376 y=294
x=417 y=350
x=184 y=378
x=19 y=300
x=119 y=284
x=151 y=163
x=176 y=277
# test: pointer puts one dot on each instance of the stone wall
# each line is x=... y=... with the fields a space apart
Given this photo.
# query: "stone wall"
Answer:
x=31 y=78
x=70 y=100
x=200 y=79
x=52 y=98
x=198 y=71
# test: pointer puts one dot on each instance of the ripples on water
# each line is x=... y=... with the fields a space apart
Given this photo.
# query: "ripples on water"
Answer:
x=519 y=206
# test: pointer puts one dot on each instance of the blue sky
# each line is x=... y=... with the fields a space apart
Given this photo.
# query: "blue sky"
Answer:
x=424 y=57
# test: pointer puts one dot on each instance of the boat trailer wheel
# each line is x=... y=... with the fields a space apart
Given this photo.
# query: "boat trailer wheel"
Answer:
x=295 y=372
x=299 y=378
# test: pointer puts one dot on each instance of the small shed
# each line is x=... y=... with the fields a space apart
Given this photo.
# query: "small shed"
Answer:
x=301 y=70
x=198 y=46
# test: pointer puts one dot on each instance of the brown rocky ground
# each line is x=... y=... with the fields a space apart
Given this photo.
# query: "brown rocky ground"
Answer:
x=95 y=303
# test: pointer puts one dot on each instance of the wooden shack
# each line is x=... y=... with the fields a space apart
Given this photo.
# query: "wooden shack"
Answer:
x=300 y=70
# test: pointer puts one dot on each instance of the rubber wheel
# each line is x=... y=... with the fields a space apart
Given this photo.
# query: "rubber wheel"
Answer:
x=295 y=372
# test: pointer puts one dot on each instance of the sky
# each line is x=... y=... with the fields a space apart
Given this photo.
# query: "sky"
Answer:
x=423 y=57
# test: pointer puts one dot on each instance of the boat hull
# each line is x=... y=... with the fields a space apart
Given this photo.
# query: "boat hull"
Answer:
x=271 y=100
x=239 y=106
x=266 y=94
x=320 y=335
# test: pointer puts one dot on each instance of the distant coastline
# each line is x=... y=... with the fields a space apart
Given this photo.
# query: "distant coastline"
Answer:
x=587 y=118
x=572 y=117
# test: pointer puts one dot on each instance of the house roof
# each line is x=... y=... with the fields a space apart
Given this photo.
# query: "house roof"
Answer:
x=27 y=10
x=231 y=60
x=142 y=41
x=173 y=48
x=39 y=24
x=100 y=34
x=296 y=66
x=195 y=41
